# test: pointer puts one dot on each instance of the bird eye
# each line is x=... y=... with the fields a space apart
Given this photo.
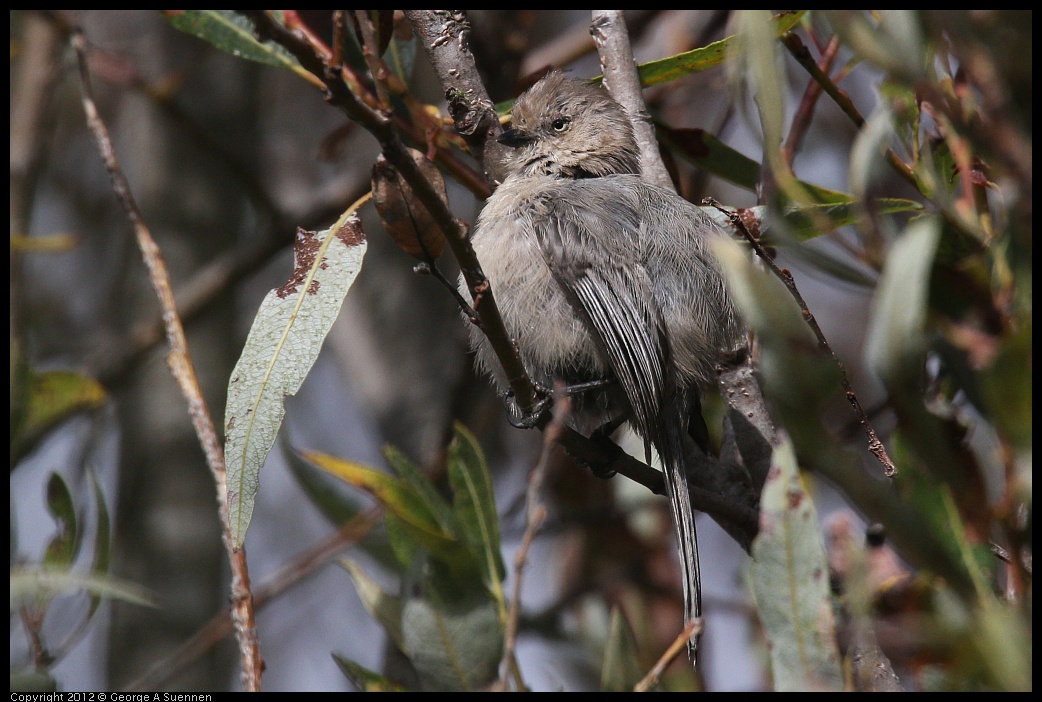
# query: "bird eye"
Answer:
x=560 y=124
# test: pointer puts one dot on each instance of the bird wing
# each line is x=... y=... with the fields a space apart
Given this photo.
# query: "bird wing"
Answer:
x=591 y=252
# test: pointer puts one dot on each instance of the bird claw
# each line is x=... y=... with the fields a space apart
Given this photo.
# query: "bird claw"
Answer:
x=530 y=419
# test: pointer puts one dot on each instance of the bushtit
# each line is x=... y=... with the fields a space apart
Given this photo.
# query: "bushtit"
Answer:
x=601 y=276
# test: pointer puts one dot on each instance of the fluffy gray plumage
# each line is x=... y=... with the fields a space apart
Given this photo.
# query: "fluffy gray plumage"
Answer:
x=599 y=275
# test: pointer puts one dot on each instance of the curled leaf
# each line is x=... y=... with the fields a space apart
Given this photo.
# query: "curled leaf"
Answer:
x=403 y=215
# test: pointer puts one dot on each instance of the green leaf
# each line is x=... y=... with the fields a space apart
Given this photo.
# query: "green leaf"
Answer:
x=804 y=222
x=451 y=629
x=52 y=398
x=102 y=538
x=696 y=60
x=33 y=583
x=1007 y=387
x=702 y=149
x=400 y=499
x=619 y=672
x=475 y=504
x=364 y=679
x=868 y=153
x=791 y=583
x=895 y=340
x=703 y=58
x=283 y=343
x=384 y=608
x=63 y=547
x=21 y=378
x=32 y=680
x=231 y=32
x=418 y=481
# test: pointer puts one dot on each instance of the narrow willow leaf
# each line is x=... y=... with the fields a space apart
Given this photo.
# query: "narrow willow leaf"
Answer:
x=102 y=538
x=364 y=679
x=619 y=671
x=335 y=505
x=231 y=32
x=805 y=220
x=1008 y=396
x=451 y=629
x=475 y=506
x=63 y=547
x=395 y=495
x=791 y=583
x=52 y=398
x=32 y=680
x=21 y=379
x=702 y=149
x=867 y=155
x=384 y=608
x=282 y=345
x=895 y=339
x=680 y=65
x=49 y=582
x=48 y=243
x=421 y=485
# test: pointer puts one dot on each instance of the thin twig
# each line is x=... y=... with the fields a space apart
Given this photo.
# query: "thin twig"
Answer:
x=679 y=644
x=184 y=372
x=801 y=120
x=535 y=513
x=874 y=444
x=799 y=51
x=370 y=51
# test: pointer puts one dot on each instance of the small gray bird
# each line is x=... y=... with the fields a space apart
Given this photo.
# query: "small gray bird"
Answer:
x=606 y=281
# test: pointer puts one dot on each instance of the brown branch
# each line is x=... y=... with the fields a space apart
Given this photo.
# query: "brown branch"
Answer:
x=184 y=372
x=799 y=51
x=443 y=36
x=623 y=82
x=370 y=52
x=874 y=444
x=805 y=111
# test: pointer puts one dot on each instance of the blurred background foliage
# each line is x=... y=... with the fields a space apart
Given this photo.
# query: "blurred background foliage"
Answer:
x=887 y=159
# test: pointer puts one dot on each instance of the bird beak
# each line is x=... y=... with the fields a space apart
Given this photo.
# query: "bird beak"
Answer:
x=515 y=138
